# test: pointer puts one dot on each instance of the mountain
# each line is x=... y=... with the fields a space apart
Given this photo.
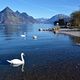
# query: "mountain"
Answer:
x=8 y=16
x=57 y=17
x=27 y=18
x=41 y=20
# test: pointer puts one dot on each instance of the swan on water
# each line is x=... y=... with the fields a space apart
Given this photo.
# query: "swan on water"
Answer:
x=34 y=37
x=23 y=35
x=17 y=61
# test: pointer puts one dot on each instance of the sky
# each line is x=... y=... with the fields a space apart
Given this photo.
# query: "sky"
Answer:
x=42 y=8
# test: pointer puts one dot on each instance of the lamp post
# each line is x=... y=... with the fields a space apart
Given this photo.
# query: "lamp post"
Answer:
x=57 y=24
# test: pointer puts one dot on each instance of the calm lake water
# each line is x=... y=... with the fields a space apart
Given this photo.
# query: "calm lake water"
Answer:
x=50 y=57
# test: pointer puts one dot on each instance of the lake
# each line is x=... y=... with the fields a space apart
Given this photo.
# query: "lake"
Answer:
x=49 y=57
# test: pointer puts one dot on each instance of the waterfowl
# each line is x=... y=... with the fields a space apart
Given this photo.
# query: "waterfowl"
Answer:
x=23 y=35
x=17 y=61
x=34 y=37
x=40 y=29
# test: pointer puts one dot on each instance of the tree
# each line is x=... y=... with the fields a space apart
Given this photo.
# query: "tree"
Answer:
x=75 y=19
x=60 y=21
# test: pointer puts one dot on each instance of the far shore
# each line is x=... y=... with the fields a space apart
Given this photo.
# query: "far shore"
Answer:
x=72 y=32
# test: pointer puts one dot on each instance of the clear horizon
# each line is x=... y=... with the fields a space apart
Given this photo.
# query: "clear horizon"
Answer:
x=42 y=8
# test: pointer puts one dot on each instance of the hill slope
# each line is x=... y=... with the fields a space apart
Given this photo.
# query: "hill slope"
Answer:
x=8 y=16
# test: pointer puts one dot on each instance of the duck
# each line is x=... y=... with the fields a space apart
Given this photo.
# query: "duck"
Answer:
x=40 y=29
x=34 y=37
x=23 y=35
x=17 y=61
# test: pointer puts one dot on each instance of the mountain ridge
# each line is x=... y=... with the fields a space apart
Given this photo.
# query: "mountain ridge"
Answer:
x=8 y=16
x=57 y=17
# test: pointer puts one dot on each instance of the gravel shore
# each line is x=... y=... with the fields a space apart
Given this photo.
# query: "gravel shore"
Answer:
x=72 y=32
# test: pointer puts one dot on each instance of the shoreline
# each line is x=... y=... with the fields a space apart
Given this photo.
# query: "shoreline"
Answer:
x=71 y=32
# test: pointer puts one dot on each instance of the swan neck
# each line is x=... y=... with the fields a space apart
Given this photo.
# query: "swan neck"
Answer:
x=22 y=58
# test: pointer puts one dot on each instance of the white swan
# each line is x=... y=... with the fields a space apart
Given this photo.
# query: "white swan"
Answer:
x=23 y=35
x=17 y=61
x=34 y=37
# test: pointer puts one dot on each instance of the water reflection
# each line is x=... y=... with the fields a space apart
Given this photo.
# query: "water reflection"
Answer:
x=75 y=39
x=50 y=57
x=17 y=65
x=10 y=30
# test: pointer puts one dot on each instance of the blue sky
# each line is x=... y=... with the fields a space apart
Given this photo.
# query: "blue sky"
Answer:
x=42 y=8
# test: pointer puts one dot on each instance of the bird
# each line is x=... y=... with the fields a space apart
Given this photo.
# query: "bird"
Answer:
x=34 y=37
x=40 y=29
x=17 y=61
x=23 y=35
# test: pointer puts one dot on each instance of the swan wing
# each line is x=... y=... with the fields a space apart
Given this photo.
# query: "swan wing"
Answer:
x=15 y=61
